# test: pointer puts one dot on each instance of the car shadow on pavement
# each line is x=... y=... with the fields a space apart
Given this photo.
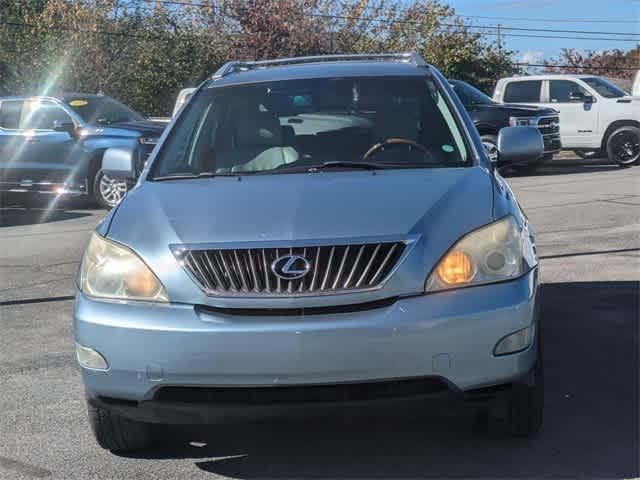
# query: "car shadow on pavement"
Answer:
x=590 y=335
x=568 y=167
x=31 y=211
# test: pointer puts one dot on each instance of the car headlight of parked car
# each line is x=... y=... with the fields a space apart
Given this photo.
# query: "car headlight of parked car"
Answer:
x=522 y=121
x=494 y=253
x=113 y=271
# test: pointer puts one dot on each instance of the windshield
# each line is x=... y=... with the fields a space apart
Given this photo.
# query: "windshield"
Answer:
x=470 y=95
x=102 y=110
x=296 y=125
x=604 y=87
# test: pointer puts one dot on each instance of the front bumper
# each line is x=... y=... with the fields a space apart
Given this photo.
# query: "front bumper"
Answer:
x=449 y=336
x=552 y=143
x=44 y=187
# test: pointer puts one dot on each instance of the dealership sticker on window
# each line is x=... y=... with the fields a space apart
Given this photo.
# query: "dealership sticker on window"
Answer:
x=78 y=103
x=447 y=148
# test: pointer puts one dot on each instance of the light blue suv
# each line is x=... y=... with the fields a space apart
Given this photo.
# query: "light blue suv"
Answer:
x=311 y=232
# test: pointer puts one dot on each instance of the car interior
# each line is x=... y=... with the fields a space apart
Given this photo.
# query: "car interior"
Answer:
x=266 y=127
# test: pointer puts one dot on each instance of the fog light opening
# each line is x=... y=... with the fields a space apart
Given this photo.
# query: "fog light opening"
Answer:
x=514 y=342
x=90 y=358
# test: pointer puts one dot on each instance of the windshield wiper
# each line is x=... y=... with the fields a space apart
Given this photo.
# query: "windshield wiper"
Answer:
x=186 y=176
x=347 y=164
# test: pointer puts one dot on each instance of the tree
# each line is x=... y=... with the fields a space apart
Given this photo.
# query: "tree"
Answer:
x=609 y=63
x=143 y=52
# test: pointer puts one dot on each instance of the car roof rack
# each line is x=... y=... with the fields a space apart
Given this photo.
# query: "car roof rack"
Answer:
x=242 y=66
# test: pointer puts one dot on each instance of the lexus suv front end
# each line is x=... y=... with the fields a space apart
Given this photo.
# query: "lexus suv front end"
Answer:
x=311 y=233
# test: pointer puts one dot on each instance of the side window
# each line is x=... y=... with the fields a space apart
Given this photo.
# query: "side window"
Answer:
x=38 y=115
x=526 y=91
x=10 y=112
x=561 y=90
x=461 y=94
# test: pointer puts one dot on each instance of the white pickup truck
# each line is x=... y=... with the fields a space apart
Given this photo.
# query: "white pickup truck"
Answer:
x=595 y=115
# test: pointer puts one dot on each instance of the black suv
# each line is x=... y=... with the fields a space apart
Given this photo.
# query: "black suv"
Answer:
x=489 y=117
x=55 y=145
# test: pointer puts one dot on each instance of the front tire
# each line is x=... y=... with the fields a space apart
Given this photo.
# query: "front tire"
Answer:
x=108 y=192
x=623 y=146
x=119 y=434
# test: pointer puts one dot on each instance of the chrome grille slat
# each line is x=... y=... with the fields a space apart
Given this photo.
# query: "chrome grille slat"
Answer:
x=214 y=269
x=227 y=271
x=376 y=275
x=333 y=268
x=265 y=265
x=328 y=270
x=368 y=267
x=341 y=268
x=254 y=273
x=347 y=282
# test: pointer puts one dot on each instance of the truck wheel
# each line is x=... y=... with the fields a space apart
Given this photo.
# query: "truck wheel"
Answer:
x=623 y=145
x=490 y=142
x=526 y=402
x=107 y=191
x=118 y=434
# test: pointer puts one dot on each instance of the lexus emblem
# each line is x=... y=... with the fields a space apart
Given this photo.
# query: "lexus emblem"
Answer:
x=290 y=267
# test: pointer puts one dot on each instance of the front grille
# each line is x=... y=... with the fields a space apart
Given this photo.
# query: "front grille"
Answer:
x=549 y=125
x=344 y=392
x=331 y=268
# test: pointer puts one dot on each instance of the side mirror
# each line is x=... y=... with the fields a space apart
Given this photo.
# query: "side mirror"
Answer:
x=519 y=145
x=119 y=163
x=580 y=97
x=64 y=126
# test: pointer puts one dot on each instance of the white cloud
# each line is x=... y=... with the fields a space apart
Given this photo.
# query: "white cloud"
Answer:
x=532 y=56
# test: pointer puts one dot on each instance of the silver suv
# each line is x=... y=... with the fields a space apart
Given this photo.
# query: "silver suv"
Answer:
x=311 y=232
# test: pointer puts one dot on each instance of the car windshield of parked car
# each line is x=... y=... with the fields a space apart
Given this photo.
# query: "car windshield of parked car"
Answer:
x=102 y=110
x=470 y=95
x=604 y=87
x=298 y=125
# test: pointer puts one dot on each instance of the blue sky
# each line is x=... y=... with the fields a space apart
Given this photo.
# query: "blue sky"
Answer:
x=534 y=50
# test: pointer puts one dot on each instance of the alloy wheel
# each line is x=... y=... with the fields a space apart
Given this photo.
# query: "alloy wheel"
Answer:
x=625 y=145
x=112 y=190
x=492 y=150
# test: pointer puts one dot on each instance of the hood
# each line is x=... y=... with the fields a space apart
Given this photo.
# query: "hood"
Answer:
x=300 y=206
x=127 y=129
x=436 y=205
x=146 y=127
x=516 y=110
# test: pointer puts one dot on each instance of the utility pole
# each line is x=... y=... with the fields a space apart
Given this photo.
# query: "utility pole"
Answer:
x=499 y=39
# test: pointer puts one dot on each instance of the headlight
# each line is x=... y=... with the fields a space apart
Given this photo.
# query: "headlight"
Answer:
x=110 y=270
x=497 y=252
x=522 y=121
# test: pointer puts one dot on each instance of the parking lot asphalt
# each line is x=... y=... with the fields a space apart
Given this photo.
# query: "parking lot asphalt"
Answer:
x=587 y=219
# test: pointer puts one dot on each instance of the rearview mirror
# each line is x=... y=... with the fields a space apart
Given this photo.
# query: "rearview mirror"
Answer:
x=119 y=163
x=64 y=126
x=519 y=145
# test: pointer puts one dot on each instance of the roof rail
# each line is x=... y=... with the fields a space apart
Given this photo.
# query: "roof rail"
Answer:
x=239 y=66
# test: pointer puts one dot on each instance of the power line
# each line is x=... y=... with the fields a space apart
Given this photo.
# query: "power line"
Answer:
x=492 y=33
x=633 y=40
x=383 y=20
x=548 y=65
x=555 y=20
x=550 y=30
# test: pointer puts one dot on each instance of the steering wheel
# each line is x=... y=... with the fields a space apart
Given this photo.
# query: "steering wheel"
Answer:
x=390 y=142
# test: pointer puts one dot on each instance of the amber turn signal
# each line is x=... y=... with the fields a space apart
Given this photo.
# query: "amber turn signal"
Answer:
x=456 y=268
